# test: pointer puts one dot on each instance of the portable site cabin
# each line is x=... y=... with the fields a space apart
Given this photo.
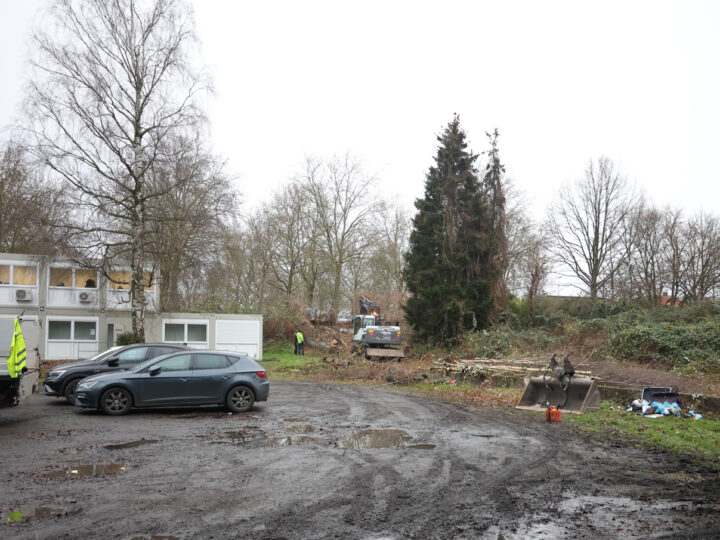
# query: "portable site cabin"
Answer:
x=70 y=313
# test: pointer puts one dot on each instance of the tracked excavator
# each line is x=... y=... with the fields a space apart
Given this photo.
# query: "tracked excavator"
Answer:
x=374 y=339
x=558 y=387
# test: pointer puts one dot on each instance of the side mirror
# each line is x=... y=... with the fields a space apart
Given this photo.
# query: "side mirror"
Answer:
x=113 y=362
x=154 y=370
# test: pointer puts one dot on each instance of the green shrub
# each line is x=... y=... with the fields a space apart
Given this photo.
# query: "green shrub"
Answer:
x=505 y=341
x=671 y=344
x=124 y=338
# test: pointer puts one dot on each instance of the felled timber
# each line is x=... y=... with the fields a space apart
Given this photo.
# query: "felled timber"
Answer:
x=497 y=367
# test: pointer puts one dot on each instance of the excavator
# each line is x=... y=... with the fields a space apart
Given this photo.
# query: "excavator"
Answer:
x=373 y=339
x=558 y=387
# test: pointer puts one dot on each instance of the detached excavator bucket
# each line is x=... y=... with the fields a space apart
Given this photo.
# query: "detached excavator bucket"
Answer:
x=582 y=395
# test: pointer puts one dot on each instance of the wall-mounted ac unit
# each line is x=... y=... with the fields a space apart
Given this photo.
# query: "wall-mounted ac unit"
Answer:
x=86 y=297
x=23 y=295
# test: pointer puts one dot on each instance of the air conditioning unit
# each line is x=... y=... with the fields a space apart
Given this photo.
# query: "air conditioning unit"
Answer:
x=86 y=297
x=23 y=295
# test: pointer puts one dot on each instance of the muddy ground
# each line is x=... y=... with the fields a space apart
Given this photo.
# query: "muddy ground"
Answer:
x=319 y=461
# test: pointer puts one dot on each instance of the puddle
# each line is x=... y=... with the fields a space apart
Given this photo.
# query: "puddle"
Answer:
x=376 y=438
x=45 y=512
x=304 y=428
x=96 y=469
x=295 y=419
x=131 y=444
x=290 y=441
x=422 y=446
x=239 y=437
x=155 y=537
x=483 y=435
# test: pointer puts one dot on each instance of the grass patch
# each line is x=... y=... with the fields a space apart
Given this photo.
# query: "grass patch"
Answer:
x=283 y=364
x=699 y=438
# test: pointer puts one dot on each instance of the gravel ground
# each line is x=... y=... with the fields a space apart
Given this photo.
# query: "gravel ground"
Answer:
x=319 y=461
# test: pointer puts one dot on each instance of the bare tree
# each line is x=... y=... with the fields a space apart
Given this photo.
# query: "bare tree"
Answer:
x=674 y=256
x=187 y=223
x=386 y=261
x=536 y=263
x=112 y=81
x=287 y=218
x=344 y=200
x=702 y=258
x=30 y=209
x=520 y=238
x=645 y=280
x=586 y=223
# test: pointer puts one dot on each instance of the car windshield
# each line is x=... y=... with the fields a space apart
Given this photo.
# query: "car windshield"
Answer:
x=104 y=354
x=147 y=363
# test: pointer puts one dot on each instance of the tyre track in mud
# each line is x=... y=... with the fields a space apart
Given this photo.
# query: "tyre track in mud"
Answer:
x=491 y=473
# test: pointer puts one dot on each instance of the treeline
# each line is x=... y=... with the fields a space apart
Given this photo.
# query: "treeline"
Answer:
x=324 y=237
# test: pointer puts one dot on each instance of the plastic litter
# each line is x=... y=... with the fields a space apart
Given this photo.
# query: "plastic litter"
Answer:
x=658 y=409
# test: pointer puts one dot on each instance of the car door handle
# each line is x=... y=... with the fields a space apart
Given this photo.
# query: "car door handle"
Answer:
x=184 y=379
x=226 y=377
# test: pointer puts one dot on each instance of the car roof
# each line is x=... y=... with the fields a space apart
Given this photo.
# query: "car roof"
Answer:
x=216 y=351
x=178 y=345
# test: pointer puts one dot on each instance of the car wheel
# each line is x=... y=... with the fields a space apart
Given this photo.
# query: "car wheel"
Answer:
x=69 y=392
x=240 y=399
x=116 y=401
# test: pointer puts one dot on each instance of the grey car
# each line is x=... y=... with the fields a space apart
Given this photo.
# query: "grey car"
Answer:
x=184 y=378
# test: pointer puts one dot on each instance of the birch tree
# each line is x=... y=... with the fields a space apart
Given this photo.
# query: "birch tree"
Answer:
x=112 y=80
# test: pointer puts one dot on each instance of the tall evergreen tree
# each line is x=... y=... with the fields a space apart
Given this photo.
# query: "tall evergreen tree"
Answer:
x=447 y=263
x=497 y=251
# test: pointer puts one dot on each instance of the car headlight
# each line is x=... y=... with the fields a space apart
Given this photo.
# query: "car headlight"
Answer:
x=85 y=385
x=54 y=374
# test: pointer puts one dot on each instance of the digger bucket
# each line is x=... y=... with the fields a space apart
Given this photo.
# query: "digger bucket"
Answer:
x=582 y=395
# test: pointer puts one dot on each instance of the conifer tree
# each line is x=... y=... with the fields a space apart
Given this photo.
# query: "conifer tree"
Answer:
x=447 y=269
x=496 y=225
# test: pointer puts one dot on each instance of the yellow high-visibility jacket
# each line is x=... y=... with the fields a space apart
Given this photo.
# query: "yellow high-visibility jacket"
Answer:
x=300 y=338
x=18 y=355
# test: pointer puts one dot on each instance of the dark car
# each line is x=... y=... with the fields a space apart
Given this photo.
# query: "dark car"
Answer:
x=61 y=380
x=178 y=379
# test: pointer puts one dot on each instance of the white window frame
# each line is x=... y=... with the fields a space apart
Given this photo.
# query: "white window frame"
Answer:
x=12 y=265
x=73 y=287
x=74 y=343
x=194 y=344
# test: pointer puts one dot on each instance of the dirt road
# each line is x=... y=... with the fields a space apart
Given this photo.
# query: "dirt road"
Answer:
x=319 y=461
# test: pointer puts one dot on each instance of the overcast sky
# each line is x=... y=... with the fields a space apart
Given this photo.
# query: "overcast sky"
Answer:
x=564 y=82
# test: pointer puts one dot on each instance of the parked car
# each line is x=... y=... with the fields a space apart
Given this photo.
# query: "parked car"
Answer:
x=178 y=379
x=61 y=380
